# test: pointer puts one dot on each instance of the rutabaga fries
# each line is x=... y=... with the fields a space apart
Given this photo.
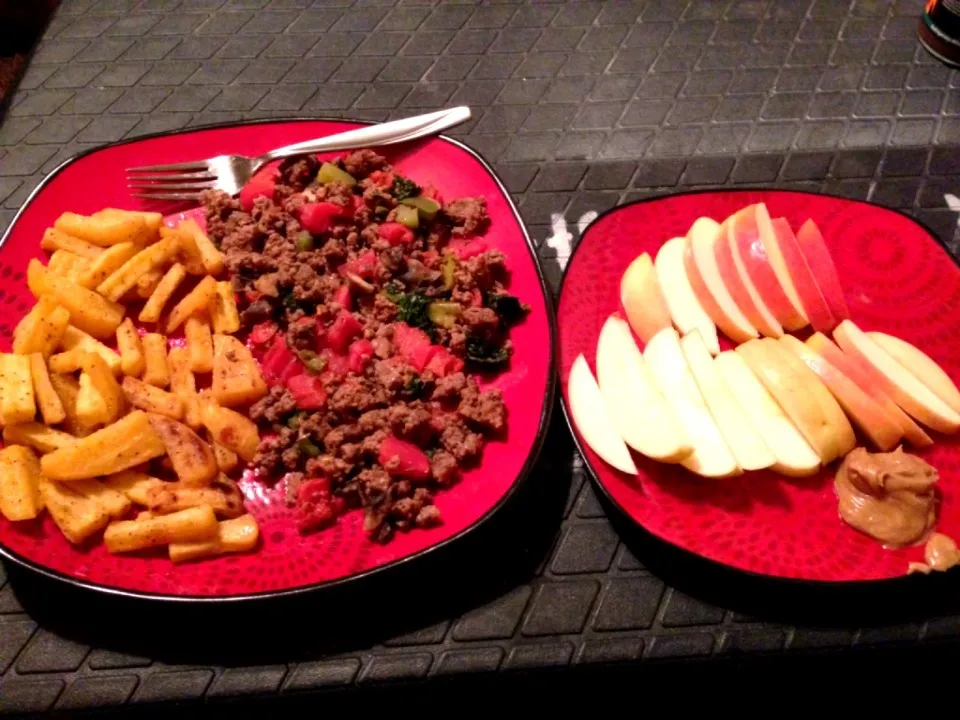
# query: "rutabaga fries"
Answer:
x=131 y=349
x=193 y=303
x=104 y=229
x=54 y=239
x=105 y=384
x=233 y=536
x=152 y=399
x=198 y=246
x=51 y=408
x=89 y=311
x=91 y=405
x=67 y=265
x=184 y=385
x=155 y=370
x=122 y=445
x=135 y=485
x=148 y=259
x=173 y=497
x=17 y=403
x=164 y=290
x=236 y=375
x=19 y=483
x=223 y=309
x=74 y=339
x=41 y=438
x=42 y=329
x=231 y=429
x=192 y=458
x=107 y=263
x=199 y=344
x=78 y=517
x=190 y=525
x=68 y=389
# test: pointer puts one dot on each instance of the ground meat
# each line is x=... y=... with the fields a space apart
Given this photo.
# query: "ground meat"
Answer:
x=361 y=163
x=274 y=407
x=468 y=215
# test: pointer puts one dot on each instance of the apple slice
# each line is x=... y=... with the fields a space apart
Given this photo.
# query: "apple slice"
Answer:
x=923 y=366
x=711 y=457
x=821 y=265
x=794 y=456
x=640 y=413
x=798 y=281
x=748 y=448
x=898 y=382
x=866 y=414
x=752 y=233
x=701 y=266
x=795 y=394
x=592 y=419
x=741 y=287
x=823 y=345
x=687 y=312
x=642 y=300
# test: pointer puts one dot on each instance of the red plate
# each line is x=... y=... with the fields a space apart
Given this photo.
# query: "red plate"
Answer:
x=896 y=277
x=287 y=562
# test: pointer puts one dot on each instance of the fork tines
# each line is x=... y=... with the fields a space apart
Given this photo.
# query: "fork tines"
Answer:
x=173 y=181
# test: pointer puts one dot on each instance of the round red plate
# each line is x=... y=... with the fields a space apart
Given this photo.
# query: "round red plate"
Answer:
x=287 y=562
x=896 y=278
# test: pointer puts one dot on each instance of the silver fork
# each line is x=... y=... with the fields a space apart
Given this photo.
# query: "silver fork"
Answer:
x=186 y=180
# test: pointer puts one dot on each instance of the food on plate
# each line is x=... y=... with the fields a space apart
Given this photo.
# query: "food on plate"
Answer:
x=700 y=261
x=641 y=415
x=887 y=496
x=923 y=367
x=711 y=457
x=899 y=383
x=821 y=265
x=592 y=418
x=744 y=441
x=19 y=483
x=734 y=275
x=685 y=309
x=793 y=454
x=872 y=420
x=642 y=298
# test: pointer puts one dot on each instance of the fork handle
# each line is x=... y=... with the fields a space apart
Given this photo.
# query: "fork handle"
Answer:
x=375 y=135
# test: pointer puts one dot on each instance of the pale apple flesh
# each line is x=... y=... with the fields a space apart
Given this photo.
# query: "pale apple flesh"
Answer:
x=794 y=456
x=642 y=300
x=821 y=265
x=701 y=266
x=748 y=448
x=734 y=275
x=711 y=457
x=592 y=420
x=791 y=268
x=685 y=309
x=899 y=383
x=924 y=367
x=641 y=415
x=913 y=433
x=866 y=414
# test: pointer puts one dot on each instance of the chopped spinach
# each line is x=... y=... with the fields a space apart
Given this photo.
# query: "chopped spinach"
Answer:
x=509 y=308
x=404 y=188
x=480 y=352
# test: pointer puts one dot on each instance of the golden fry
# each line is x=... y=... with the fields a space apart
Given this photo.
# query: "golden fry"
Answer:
x=131 y=349
x=78 y=517
x=42 y=329
x=229 y=428
x=210 y=258
x=115 y=503
x=67 y=265
x=155 y=370
x=41 y=438
x=103 y=229
x=194 y=302
x=92 y=407
x=236 y=375
x=88 y=311
x=74 y=339
x=223 y=309
x=184 y=384
x=185 y=526
x=150 y=258
x=192 y=458
x=233 y=536
x=17 y=403
x=164 y=290
x=106 y=264
x=54 y=239
x=199 y=344
x=51 y=409
x=19 y=483
x=135 y=485
x=152 y=399
x=105 y=383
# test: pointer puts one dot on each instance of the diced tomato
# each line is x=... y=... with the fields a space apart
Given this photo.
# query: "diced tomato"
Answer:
x=307 y=391
x=381 y=178
x=343 y=297
x=337 y=365
x=395 y=233
x=364 y=266
x=344 y=329
x=263 y=333
x=262 y=184
x=466 y=248
x=400 y=457
x=319 y=217
x=279 y=363
x=443 y=362
x=409 y=342
x=360 y=353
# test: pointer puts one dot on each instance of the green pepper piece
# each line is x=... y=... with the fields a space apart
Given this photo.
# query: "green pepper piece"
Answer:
x=304 y=241
x=408 y=216
x=427 y=207
x=449 y=271
x=444 y=313
x=329 y=173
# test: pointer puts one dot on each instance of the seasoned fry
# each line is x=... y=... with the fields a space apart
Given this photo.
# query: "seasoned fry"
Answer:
x=196 y=241
x=191 y=456
x=127 y=442
x=152 y=399
x=41 y=438
x=74 y=339
x=164 y=290
x=184 y=384
x=42 y=329
x=103 y=229
x=17 y=403
x=91 y=405
x=108 y=262
x=146 y=285
x=19 y=483
x=150 y=258
x=227 y=459
x=115 y=503
x=236 y=375
x=68 y=389
x=223 y=309
x=135 y=485
x=196 y=301
x=199 y=344
x=155 y=370
x=189 y=525
x=88 y=311
x=233 y=536
x=67 y=265
x=231 y=429
x=51 y=409
x=54 y=239
x=105 y=384
x=77 y=517
x=173 y=497
x=131 y=349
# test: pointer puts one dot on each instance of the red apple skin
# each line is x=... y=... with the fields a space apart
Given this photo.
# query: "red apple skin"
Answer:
x=821 y=264
x=814 y=304
x=748 y=235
